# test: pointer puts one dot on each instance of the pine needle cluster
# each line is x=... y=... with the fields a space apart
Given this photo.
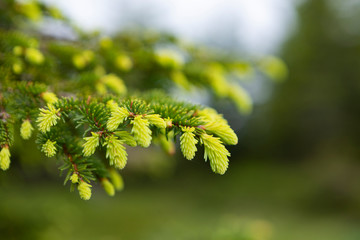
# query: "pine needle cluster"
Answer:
x=88 y=101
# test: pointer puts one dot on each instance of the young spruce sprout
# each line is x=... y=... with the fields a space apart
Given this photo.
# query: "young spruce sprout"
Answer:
x=88 y=101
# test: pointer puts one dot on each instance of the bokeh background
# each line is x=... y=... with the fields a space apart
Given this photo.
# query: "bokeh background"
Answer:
x=295 y=173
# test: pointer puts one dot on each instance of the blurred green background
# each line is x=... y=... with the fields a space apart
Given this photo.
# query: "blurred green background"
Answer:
x=294 y=174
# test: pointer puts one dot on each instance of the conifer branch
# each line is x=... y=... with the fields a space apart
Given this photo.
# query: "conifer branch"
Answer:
x=88 y=101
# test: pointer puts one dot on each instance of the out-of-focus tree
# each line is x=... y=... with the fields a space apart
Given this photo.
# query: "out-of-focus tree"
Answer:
x=317 y=109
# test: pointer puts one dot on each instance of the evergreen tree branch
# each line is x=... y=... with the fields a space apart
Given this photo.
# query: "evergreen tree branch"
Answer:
x=91 y=99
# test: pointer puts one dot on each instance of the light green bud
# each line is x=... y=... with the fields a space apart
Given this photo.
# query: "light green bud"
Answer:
x=49 y=148
x=123 y=63
x=74 y=178
x=108 y=187
x=188 y=142
x=34 y=56
x=18 y=50
x=26 y=129
x=5 y=158
x=141 y=131
x=84 y=190
x=216 y=152
x=116 y=179
x=47 y=118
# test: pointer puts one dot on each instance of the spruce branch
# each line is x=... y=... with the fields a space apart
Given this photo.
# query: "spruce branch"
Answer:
x=91 y=99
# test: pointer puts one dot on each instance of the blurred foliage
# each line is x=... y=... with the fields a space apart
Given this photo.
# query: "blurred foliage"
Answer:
x=252 y=202
x=143 y=59
x=316 y=112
